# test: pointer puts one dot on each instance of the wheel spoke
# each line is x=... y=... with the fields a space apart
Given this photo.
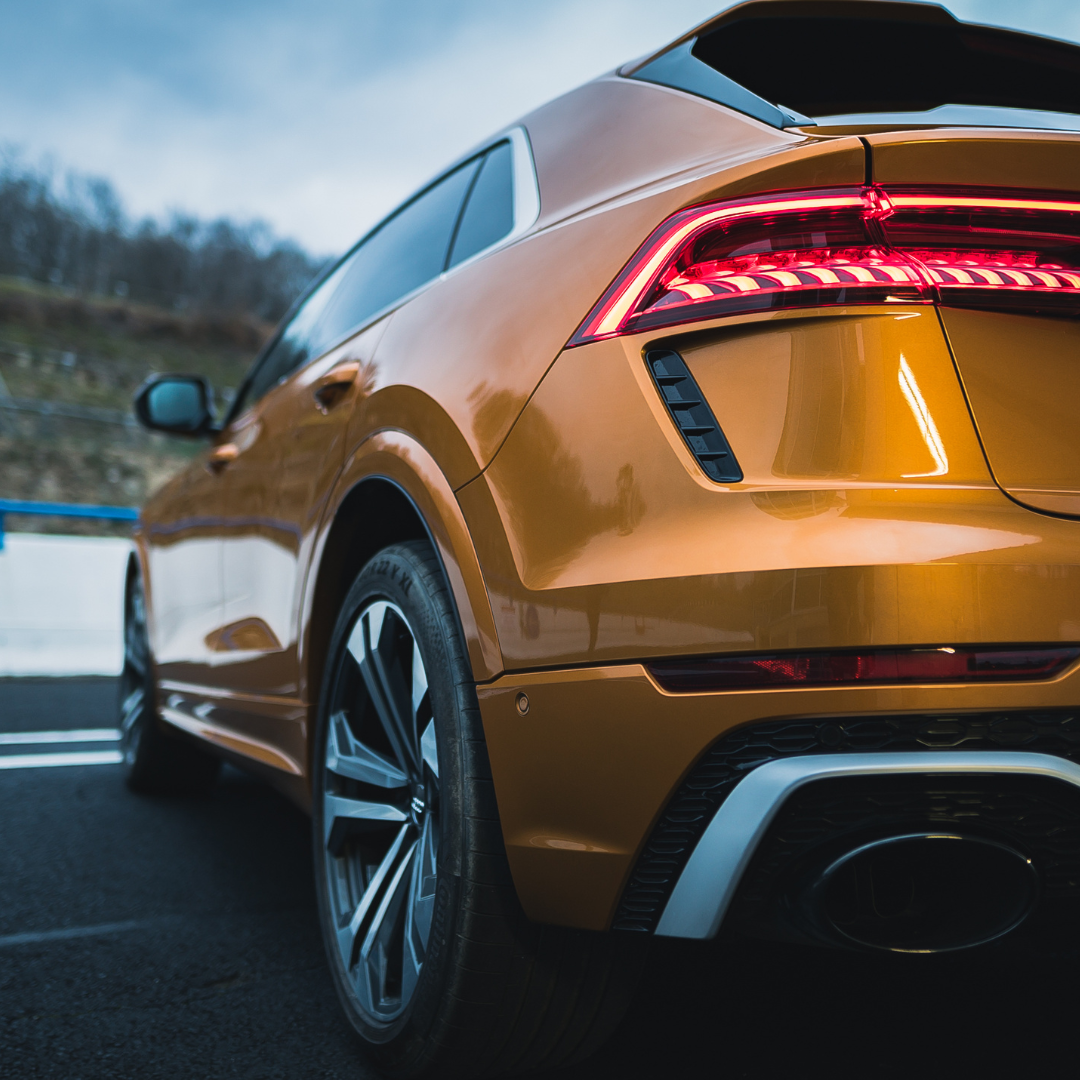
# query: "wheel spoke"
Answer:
x=384 y=682
x=135 y=645
x=429 y=749
x=421 y=906
x=348 y=935
x=135 y=659
x=347 y=756
x=341 y=807
x=376 y=953
x=419 y=679
x=131 y=709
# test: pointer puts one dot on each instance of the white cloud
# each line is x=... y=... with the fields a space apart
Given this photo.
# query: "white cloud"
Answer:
x=320 y=145
x=320 y=116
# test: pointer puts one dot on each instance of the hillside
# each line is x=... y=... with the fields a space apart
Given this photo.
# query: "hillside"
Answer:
x=69 y=365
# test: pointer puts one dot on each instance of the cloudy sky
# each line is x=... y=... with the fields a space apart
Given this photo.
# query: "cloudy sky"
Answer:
x=318 y=116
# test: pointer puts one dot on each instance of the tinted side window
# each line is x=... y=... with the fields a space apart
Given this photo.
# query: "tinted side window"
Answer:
x=295 y=346
x=489 y=213
x=405 y=252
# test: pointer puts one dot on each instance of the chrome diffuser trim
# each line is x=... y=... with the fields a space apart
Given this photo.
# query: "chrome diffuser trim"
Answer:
x=707 y=884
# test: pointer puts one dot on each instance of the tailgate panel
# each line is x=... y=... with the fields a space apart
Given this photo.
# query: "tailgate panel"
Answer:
x=1022 y=378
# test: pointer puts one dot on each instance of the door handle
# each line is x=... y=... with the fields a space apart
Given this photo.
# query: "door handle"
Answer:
x=221 y=456
x=331 y=387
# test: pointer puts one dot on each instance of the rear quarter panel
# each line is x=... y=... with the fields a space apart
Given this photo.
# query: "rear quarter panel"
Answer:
x=614 y=158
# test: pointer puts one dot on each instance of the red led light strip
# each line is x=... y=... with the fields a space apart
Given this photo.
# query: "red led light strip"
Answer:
x=654 y=291
x=967 y=269
x=920 y=201
x=929 y=665
x=610 y=314
x=789 y=270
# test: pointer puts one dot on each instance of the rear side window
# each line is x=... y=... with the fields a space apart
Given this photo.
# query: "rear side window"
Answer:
x=467 y=211
x=489 y=213
x=406 y=251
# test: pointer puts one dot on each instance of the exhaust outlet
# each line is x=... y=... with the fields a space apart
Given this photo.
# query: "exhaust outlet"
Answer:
x=921 y=893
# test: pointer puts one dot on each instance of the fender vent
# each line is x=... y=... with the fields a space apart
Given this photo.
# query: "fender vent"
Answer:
x=693 y=417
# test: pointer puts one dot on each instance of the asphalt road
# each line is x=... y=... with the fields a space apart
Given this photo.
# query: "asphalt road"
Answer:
x=210 y=963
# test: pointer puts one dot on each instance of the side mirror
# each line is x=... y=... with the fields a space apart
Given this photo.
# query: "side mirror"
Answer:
x=178 y=404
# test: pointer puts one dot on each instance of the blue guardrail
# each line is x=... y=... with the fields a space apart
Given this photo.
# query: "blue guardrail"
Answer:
x=73 y=510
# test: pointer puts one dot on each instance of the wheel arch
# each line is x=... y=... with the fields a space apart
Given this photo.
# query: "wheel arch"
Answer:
x=390 y=491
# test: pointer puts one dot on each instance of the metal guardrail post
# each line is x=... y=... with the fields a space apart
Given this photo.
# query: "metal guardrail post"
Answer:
x=74 y=510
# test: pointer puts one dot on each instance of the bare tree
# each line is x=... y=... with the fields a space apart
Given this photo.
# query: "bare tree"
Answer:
x=74 y=232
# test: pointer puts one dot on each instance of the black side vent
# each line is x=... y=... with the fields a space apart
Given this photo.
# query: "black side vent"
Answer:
x=693 y=416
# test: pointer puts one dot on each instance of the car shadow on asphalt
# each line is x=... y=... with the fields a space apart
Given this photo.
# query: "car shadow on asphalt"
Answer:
x=736 y=1006
x=741 y=1007
x=227 y=976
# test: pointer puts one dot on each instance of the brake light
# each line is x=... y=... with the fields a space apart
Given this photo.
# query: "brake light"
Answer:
x=867 y=666
x=842 y=247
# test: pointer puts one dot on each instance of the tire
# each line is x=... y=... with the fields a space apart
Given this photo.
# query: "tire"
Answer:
x=155 y=763
x=435 y=964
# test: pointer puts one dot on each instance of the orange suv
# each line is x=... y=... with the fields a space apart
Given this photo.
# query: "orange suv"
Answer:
x=664 y=520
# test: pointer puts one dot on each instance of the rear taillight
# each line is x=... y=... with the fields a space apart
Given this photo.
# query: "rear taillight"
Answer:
x=845 y=246
x=929 y=665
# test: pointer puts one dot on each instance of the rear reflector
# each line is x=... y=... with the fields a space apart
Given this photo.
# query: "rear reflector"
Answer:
x=929 y=665
x=844 y=246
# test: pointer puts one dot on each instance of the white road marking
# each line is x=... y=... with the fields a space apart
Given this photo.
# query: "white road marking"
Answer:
x=70 y=932
x=48 y=761
x=40 y=738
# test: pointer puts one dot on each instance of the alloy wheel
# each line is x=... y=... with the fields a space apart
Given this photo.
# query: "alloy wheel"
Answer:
x=380 y=811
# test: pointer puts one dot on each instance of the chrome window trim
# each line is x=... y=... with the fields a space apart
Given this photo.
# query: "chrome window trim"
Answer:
x=526 y=189
x=526 y=196
x=708 y=882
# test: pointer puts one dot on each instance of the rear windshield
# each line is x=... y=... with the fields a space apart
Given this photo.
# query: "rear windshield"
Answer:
x=829 y=66
x=786 y=67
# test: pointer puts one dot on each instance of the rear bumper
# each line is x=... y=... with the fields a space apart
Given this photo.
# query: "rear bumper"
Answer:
x=584 y=775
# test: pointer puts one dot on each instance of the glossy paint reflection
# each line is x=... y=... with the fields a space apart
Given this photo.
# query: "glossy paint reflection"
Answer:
x=1022 y=379
x=276 y=492
x=861 y=462
x=871 y=398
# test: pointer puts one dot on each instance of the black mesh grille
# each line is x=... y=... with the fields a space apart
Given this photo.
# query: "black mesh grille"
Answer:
x=690 y=809
x=693 y=417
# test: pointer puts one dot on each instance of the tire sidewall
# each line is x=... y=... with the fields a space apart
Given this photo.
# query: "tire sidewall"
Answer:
x=399 y=575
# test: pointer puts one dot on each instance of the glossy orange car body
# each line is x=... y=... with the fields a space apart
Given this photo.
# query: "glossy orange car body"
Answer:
x=580 y=536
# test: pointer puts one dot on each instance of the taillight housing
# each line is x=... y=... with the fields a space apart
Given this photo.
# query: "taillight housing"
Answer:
x=844 y=246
